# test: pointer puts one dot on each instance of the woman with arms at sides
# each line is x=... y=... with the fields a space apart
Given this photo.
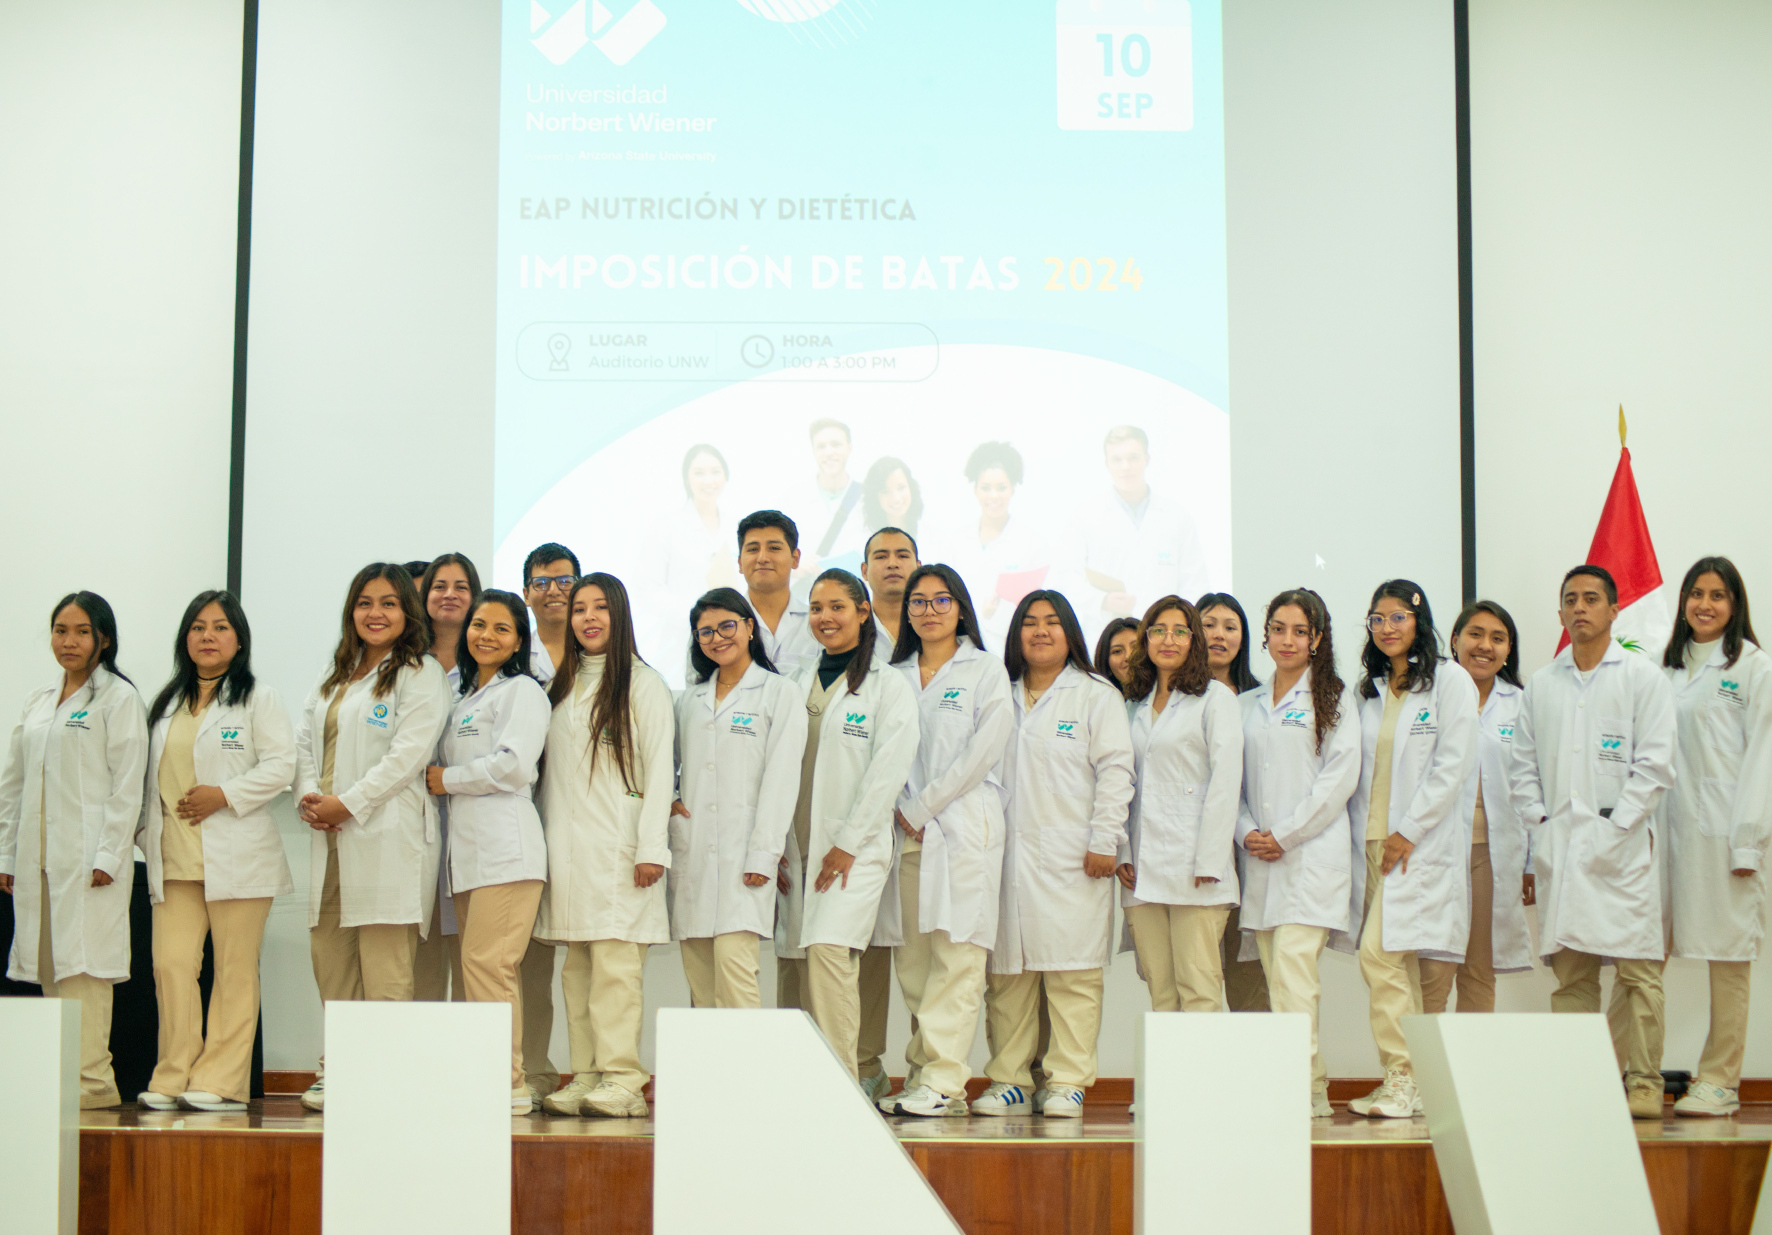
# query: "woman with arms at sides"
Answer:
x=606 y=804
x=741 y=733
x=362 y=741
x=1301 y=764
x=69 y=804
x=1069 y=775
x=220 y=751
x=1113 y=651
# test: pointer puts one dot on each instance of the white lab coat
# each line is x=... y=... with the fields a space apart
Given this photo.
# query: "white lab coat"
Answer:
x=1300 y=797
x=1717 y=817
x=389 y=849
x=1158 y=556
x=1427 y=908
x=1580 y=749
x=739 y=760
x=1069 y=773
x=248 y=751
x=1507 y=836
x=489 y=752
x=598 y=829
x=866 y=743
x=1019 y=548
x=84 y=759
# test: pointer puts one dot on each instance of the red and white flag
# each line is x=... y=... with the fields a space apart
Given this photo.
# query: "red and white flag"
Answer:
x=1622 y=545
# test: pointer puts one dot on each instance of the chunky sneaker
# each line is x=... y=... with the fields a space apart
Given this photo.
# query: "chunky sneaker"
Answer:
x=874 y=1088
x=928 y=1103
x=1701 y=1098
x=1320 y=1108
x=1001 y=1100
x=1062 y=1102
x=148 y=1100
x=522 y=1101
x=315 y=1097
x=202 y=1100
x=1645 y=1099
x=615 y=1102
x=887 y=1103
x=569 y=1100
x=1397 y=1098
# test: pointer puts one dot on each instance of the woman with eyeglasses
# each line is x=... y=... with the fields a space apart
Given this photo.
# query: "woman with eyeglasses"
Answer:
x=1410 y=843
x=741 y=734
x=1113 y=651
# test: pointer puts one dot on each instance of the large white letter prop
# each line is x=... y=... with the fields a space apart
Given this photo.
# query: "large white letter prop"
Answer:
x=1569 y=1162
x=40 y=1115
x=1224 y=1123
x=813 y=1158
x=439 y=1161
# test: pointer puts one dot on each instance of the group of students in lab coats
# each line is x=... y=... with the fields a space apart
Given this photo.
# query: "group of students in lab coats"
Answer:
x=859 y=778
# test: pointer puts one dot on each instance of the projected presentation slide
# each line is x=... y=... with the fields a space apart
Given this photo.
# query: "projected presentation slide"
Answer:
x=953 y=268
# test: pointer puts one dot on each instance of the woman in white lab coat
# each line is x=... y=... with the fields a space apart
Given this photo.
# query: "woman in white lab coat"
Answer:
x=861 y=738
x=1178 y=867
x=496 y=858
x=1301 y=764
x=1410 y=850
x=362 y=741
x=950 y=833
x=69 y=802
x=220 y=751
x=1716 y=819
x=606 y=805
x=1487 y=646
x=1001 y=554
x=1113 y=651
x=741 y=734
x=1069 y=774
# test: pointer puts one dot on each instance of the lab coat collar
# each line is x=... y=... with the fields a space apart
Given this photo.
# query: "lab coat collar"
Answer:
x=1499 y=690
x=1300 y=687
x=963 y=651
x=97 y=680
x=752 y=680
x=1613 y=655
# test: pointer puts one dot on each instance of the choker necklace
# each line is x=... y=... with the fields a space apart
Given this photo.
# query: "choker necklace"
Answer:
x=218 y=677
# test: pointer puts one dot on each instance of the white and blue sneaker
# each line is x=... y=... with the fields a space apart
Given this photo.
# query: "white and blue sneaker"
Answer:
x=1702 y=1098
x=1001 y=1100
x=1062 y=1102
x=928 y=1103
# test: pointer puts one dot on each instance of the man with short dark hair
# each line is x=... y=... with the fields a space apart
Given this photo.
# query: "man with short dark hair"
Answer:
x=768 y=553
x=887 y=559
x=550 y=572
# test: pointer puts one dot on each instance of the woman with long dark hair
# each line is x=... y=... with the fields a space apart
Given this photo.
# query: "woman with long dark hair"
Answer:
x=891 y=497
x=1113 y=651
x=606 y=804
x=69 y=803
x=362 y=742
x=220 y=751
x=448 y=586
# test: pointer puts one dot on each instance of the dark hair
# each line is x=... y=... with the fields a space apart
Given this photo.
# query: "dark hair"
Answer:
x=1598 y=572
x=547 y=555
x=1243 y=678
x=183 y=689
x=759 y=519
x=1424 y=653
x=1326 y=683
x=611 y=711
x=1076 y=651
x=1104 y=648
x=408 y=649
x=517 y=663
x=732 y=600
x=868 y=544
x=104 y=625
x=994 y=454
x=1510 y=668
x=416 y=568
x=702 y=448
x=863 y=660
x=874 y=483
x=430 y=576
x=1740 y=627
x=1192 y=676
x=909 y=642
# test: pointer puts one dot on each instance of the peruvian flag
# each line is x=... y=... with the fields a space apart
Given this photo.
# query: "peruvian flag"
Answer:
x=1622 y=546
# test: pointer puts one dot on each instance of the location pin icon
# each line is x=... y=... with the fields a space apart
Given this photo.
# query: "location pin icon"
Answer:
x=558 y=347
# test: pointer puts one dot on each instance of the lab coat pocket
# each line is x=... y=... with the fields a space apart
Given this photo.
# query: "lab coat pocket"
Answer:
x=1065 y=762
x=1617 y=852
x=1061 y=851
x=1716 y=806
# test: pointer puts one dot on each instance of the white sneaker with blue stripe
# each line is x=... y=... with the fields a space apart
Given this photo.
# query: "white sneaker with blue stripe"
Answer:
x=1062 y=1102
x=1001 y=1100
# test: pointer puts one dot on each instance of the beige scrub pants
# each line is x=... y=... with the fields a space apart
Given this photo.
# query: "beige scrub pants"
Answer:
x=875 y=982
x=1392 y=978
x=943 y=985
x=1245 y=984
x=1178 y=949
x=1476 y=977
x=1727 y=1040
x=98 y=1083
x=722 y=970
x=359 y=963
x=219 y=1061
x=537 y=979
x=1072 y=998
x=1289 y=956
x=436 y=967
x=495 y=922
x=1637 y=1017
x=827 y=983
x=605 y=1008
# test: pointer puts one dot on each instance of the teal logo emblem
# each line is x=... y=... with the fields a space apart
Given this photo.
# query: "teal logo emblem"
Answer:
x=743 y=720
x=1421 y=717
x=1067 y=726
x=228 y=735
x=80 y=715
x=1505 y=732
x=950 y=694
x=1728 y=685
x=468 y=719
x=855 y=718
x=1611 y=743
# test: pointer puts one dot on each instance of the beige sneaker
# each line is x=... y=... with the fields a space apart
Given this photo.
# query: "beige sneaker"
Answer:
x=568 y=1101
x=1646 y=1100
x=614 y=1101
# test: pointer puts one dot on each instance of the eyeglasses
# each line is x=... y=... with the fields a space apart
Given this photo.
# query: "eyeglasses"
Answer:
x=725 y=630
x=564 y=583
x=1156 y=634
x=1397 y=619
x=916 y=606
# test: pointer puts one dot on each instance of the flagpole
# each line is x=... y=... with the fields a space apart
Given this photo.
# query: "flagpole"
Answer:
x=1621 y=426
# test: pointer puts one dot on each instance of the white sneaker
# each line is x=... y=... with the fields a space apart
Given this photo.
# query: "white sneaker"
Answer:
x=569 y=1101
x=886 y=1103
x=201 y=1100
x=614 y=1101
x=1001 y=1100
x=315 y=1097
x=149 y=1100
x=522 y=1101
x=1701 y=1098
x=1397 y=1098
x=1320 y=1107
x=1063 y=1102
x=875 y=1087
x=929 y=1103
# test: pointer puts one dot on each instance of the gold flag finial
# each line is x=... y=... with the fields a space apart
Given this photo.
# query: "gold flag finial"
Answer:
x=1621 y=425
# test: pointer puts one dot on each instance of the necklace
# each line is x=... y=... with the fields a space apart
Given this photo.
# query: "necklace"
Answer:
x=218 y=677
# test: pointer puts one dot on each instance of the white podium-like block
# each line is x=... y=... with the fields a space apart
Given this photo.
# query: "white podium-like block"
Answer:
x=418 y=1119
x=1224 y=1123
x=803 y=1151
x=1530 y=1126
x=40 y=1115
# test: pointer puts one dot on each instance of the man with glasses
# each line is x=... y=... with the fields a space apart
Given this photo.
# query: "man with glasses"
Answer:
x=550 y=572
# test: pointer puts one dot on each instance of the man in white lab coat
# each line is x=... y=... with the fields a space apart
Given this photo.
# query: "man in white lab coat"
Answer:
x=1593 y=753
x=1138 y=545
x=829 y=509
x=768 y=554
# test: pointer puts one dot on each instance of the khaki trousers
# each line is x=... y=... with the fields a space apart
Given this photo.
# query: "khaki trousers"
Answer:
x=943 y=985
x=1245 y=985
x=1723 y=1046
x=875 y=983
x=98 y=1083
x=1476 y=977
x=355 y=963
x=605 y=1007
x=1178 y=949
x=1289 y=957
x=722 y=971
x=436 y=967
x=1393 y=982
x=827 y=983
x=219 y=1061
x=495 y=922
x=537 y=977
x=1012 y=1025
x=1637 y=1017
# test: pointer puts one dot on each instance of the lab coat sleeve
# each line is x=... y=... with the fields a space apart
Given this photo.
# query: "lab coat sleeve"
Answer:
x=1454 y=759
x=1219 y=822
x=992 y=724
x=126 y=759
x=779 y=790
x=1751 y=826
x=307 y=749
x=655 y=724
x=1525 y=785
x=422 y=711
x=894 y=750
x=1652 y=748
x=1334 y=783
x=510 y=766
x=1110 y=754
x=12 y=796
x=274 y=740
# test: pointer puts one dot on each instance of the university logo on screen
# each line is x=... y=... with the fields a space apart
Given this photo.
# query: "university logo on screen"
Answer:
x=618 y=38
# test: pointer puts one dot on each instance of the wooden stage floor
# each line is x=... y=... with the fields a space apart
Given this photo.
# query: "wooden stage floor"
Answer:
x=171 y=1173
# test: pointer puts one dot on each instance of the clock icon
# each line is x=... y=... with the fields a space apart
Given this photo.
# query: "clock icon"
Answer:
x=757 y=351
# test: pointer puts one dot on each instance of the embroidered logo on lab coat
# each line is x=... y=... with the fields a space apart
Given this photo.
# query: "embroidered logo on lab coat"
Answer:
x=378 y=716
x=1423 y=724
x=1613 y=747
x=230 y=740
x=77 y=720
x=952 y=700
x=1067 y=729
x=466 y=728
x=1505 y=732
x=744 y=723
x=1295 y=718
x=1730 y=692
x=855 y=725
